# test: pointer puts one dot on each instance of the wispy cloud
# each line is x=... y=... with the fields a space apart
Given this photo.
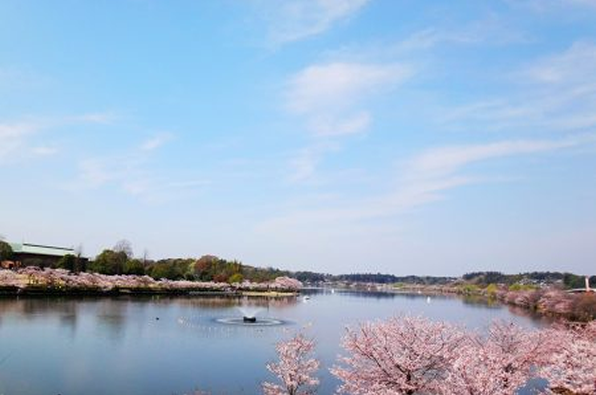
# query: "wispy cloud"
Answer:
x=44 y=150
x=337 y=87
x=16 y=138
x=572 y=67
x=330 y=99
x=544 y=6
x=489 y=31
x=12 y=136
x=131 y=172
x=425 y=178
x=304 y=163
x=554 y=93
x=447 y=160
x=156 y=141
x=294 y=20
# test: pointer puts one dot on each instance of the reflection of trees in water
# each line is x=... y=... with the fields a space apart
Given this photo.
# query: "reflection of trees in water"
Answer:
x=29 y=308
x=64 y=310
x=111 y=316
x=380 y=295
x=69 y=322
x=481 y=302
x=219 y=302
x=68 y=313
x=534 y=315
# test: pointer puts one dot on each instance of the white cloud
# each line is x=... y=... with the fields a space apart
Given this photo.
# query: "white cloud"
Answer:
x=326 y=125
x=424 y=179
x=16 y=137
x=304 y=164
x=294 y=20
x=13 y=136
x=44 y=150
x=554 y=93
x=544 y=6
x=333 y=87
x=329 y=98
x=446 y=160
x=156 y=142
x=131 y=172
x=576 y=65
x=94 y=173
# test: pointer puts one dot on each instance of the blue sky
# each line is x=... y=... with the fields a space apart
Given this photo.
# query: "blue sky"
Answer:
x=405 y=137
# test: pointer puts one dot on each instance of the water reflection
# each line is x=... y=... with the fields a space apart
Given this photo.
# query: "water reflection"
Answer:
x=164 y=345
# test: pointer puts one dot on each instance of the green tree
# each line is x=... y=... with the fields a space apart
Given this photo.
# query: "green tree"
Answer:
x=491 y=290
x=109 y=262
x=574 y=281
x=68 y=262
x=236 y=278
x=134 y=266
x=164 y=270
x=5 y=251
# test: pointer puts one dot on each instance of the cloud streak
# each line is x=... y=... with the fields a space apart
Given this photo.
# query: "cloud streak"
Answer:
x=555 y=93
x=424 y=179
x=156 y=142
x=131 y=173
x=330 y=97
x=295 y=20
x=16 y=137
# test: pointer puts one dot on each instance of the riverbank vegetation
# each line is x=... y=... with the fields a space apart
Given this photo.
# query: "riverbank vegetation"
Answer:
x=541 y=292
x=34 y=280
x=548 y=299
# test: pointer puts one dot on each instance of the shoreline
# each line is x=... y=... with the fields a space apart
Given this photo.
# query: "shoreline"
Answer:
x=11 y=292
x=547 y=302
x=32 y=281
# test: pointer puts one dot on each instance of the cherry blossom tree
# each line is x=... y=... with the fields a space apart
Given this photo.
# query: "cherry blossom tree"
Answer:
x=286 y=283
x=63 y=279
x=556 y=302
x=295 y=368
x=499 y=362
x=572 y=369
x=404 y=355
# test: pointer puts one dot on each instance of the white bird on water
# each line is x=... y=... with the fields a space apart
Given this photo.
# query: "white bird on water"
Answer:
x=428 y=299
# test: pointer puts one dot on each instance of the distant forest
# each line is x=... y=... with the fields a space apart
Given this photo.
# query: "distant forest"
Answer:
x=569 y=280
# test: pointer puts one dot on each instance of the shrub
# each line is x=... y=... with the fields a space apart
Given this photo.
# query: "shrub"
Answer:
x=5 y=251
x=67 y=262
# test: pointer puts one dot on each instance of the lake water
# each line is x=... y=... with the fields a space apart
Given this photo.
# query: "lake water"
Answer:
x=174 y=345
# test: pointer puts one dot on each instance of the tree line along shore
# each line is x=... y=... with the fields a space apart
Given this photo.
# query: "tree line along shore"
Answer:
x=117 y=271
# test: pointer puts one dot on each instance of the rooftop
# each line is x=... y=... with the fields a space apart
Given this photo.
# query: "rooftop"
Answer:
x=28 y=248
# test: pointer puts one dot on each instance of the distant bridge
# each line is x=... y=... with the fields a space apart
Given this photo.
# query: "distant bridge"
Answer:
x=580 y=290
x=586 y=289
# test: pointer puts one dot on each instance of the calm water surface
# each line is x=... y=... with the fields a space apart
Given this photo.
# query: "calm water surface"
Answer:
x=118 y=346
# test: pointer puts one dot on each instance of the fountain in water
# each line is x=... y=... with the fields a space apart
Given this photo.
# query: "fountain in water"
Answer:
x=249 y=314
x=248 y=317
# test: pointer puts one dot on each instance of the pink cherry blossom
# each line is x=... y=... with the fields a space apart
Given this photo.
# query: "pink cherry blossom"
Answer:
x=295 y=368
x=62 y=279
x=572 y=368
x=497 y=363
x=404 y=355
